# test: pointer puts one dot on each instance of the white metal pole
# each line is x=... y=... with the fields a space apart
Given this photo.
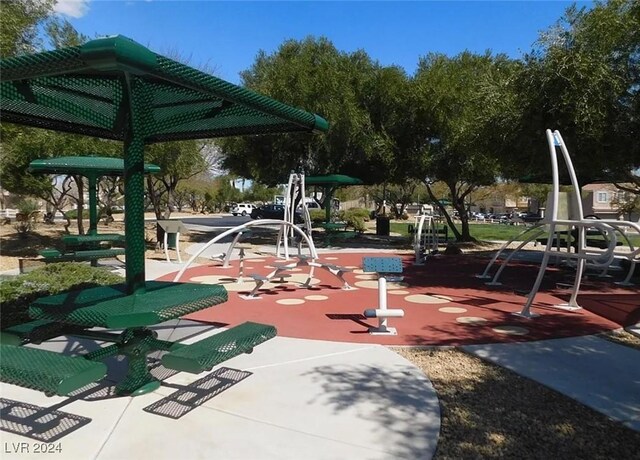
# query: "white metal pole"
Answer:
x=382 y=302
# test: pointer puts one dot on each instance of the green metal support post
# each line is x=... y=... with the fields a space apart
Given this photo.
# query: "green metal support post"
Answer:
x=139 y=98
x=93 y=204
x=327 y=202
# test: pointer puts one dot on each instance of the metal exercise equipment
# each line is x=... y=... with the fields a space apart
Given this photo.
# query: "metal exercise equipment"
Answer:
x=572 y=222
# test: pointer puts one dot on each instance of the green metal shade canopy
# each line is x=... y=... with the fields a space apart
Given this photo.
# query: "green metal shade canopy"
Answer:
x=332 y=180
x=115 y=88
x=90 y=167
x=85 y=166
x=329 y=184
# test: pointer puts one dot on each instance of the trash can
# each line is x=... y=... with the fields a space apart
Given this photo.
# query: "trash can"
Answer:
x=171 y=240
x=382 y=225
x=171 y=228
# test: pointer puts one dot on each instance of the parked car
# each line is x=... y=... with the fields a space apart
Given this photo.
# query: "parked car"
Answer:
x=531 y=217
x=268 y=211
x=272 y=211
x=242 y=209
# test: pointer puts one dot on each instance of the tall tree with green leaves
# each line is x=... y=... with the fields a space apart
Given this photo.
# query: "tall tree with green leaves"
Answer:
x=23 y=145
x=19 y=23
x=313 y=75
x=583 y=78
x=454 y=96
x=389 y=102
x=178 y=161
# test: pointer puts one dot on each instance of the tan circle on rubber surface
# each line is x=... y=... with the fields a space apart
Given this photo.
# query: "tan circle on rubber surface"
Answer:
x=316 y=297
x=427 y=299
x=290 y=301
x=367 y=277
x=452 y=310
x=471 y=320
x=374 y=284
x=511 y=330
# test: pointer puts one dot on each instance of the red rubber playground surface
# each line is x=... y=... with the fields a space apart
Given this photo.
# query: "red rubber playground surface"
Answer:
x=444 y=303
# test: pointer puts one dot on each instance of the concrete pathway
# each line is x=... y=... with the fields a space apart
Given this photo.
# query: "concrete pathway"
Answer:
x=300 y=399
x=596 y=372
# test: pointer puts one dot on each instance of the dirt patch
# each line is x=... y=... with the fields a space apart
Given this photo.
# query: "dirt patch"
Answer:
x=491 y=412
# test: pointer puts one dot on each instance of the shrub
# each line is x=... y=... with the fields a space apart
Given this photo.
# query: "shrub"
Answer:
x=27 y=207
x=355 y=219
x=317 y=215
x=362 y=213
x=19 y=292
x=26 y=217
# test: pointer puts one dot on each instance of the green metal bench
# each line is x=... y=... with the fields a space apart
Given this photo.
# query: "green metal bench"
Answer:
x=336 y=231
x=86 y=248
x=34 y=332
x=46 y=371
x=203 y=355
x=80 y=240
x=590 y=242
x=53 y=255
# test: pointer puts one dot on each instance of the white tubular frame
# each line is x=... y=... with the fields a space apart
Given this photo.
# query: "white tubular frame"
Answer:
x=382 y=312
x=424 y=241
x=256 y=223
x=583 y=254
x=295 y=189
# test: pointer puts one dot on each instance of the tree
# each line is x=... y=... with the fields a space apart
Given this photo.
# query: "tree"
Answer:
x=20 y=20
x=178 y=161
x=313 y=75
x=454 y=97
x=584 y=80
x=61 y=33
x=260 y=192
x=389 y=101
x=225 y=193
x=21 y=145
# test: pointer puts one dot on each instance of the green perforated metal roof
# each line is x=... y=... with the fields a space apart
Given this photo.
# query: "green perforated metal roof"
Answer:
x=100 y=166
x=83 y=90
x=332 y=180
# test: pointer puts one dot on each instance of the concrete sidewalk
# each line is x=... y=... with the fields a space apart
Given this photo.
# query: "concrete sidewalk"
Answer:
x=596 y=372
x=300 y=399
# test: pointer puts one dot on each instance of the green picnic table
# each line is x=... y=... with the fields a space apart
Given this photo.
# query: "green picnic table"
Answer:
x=114 y=88
x=86 y=247
x=336 y=231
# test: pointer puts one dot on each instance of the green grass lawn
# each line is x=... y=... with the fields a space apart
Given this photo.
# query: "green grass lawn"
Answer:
x=489 y=232
x=478 y=231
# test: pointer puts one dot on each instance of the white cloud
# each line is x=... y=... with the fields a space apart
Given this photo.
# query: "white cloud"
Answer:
x=73 y=8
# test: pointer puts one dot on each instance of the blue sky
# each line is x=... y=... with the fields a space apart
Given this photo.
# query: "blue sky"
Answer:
x=226 y=36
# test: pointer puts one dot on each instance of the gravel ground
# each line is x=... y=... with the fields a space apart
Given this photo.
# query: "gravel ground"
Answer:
x=491 y=412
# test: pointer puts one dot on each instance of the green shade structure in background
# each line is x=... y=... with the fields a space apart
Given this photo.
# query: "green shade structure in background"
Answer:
x=329 y=184
x=90 y=167
x=115 y=88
